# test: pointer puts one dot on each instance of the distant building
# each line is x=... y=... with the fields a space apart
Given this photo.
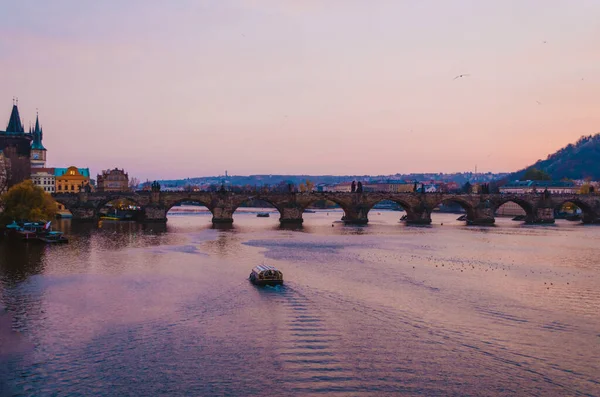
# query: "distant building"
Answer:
x=114 y=180
x=44 y=178
x=388 y=185
x=340 y=187
x=554 y=187
x=70 y=180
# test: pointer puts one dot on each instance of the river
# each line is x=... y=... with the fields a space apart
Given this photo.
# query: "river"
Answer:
x=127 y=309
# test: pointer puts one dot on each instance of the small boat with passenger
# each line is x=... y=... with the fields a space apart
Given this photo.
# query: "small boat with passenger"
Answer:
x=266 y=275
x=263 y=215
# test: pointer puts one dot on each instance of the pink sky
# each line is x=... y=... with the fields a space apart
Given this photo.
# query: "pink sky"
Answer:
x=191 y=88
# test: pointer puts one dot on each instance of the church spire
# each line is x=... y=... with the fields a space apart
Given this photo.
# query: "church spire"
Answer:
x=14 y=123
x=37 y=135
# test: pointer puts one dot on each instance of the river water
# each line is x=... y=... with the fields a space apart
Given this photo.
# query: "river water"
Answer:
x=386 y=309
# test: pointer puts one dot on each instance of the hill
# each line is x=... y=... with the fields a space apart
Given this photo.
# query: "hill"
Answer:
x=575 y=161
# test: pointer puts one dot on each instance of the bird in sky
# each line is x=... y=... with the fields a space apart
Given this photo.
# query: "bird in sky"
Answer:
x=461 y=75
x=544 y=42
x=538 y=102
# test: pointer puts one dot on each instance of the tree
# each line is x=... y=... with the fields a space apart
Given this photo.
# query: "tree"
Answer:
x=533 y=174
x=302 y=187
x=586 y=188
x=26 y=201
x=134 y=183
x=309 y=186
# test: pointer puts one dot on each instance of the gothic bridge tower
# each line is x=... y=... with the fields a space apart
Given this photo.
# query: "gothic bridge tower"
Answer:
x=38 y=151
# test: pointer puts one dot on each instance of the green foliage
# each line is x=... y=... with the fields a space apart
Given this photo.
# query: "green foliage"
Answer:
x=574 y=161
x=26 y=201
x=533 y=174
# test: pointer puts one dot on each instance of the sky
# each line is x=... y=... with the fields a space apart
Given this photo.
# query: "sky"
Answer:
x=193 y=88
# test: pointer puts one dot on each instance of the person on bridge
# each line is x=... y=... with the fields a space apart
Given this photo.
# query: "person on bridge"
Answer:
x=353 y=187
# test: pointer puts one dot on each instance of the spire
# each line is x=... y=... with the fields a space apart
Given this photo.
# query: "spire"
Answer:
x=14 y=123
x=37 y=135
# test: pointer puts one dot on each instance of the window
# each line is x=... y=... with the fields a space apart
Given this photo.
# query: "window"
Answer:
x=72 y=187
x=59 y=187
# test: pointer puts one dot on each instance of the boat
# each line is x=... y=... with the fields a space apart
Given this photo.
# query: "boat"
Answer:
x=462 y=218
x=53 y=238
x=310 y=211
x=29 y=230
x=519 y=218
x=403 y=217
x=266 y=275
x=13 y=226
x=110 y=218
x=573 y=217
x=263 y=215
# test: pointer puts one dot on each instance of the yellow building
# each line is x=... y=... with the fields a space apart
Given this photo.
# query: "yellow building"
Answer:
x=70 y=180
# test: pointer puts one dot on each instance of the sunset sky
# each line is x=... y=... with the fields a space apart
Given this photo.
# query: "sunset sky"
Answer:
x=173 y=89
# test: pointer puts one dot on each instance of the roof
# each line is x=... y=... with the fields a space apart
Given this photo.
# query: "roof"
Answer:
x=262 y=268
x=40 y=170
x=37 y=136
x=538 y=184
x=14 y=123
x=61 y=171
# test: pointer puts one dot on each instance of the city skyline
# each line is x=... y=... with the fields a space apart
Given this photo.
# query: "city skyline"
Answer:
x=266 y=87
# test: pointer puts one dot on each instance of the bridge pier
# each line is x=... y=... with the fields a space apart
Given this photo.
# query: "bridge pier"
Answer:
x=155 y=214
x=222 y=215
x=86 y=213
x=590 y=218
x=422 y=217
x=541 y=216
x=356 y=216
x=290 y=216
x=482 y=215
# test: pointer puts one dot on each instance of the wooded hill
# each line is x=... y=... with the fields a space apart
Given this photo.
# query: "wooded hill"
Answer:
x=575 y=161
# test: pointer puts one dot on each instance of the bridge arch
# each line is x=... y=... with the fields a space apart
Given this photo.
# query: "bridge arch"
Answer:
x=589 y=210
x=463 y=203
x=267 y=200
x=527 y=206
x=406 y=206
x=133 y=198
x=346 y=207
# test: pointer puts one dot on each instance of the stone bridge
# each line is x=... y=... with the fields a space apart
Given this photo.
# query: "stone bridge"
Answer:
x=480 y=208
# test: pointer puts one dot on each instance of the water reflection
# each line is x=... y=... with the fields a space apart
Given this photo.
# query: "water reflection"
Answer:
x=378 y=309
x=20 y=260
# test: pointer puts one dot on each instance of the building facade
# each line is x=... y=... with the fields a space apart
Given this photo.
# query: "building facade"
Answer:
x=15 y=143
x=554 y=187
x=44 y=178
x=391 y=186
x=71 y=180
x=3 y=182
x=114 y=180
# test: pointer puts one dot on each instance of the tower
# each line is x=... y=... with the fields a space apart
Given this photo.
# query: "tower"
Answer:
x=38 y=151
x=15 y=143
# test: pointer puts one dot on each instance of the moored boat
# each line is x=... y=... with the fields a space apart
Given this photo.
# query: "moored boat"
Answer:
x=266 y=275
x=263 y=215
x=53 y=238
